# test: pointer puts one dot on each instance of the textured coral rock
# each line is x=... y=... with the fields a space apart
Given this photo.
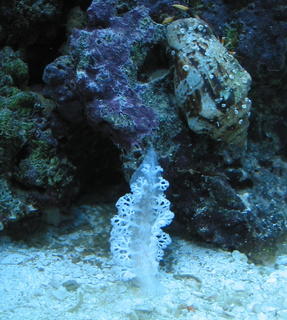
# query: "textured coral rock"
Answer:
x=24 y=21
x=210 y=85
x=260 y=29
x=28 y=151
x=104 y=84
x=263 y=38
x=98 y=76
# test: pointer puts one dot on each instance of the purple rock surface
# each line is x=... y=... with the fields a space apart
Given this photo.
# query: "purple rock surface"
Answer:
x=96 y=80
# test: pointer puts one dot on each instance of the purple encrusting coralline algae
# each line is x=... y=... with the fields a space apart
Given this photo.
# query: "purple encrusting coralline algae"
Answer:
x=97 y=78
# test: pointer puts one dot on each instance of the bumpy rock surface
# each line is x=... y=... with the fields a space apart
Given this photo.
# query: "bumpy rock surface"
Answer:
x=28 y=151
x=97 y=77
x=258 y=32
x=23 y=21
x=114 y=81
x=114 y=89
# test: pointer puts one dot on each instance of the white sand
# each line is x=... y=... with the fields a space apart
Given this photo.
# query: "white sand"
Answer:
x=65 y=273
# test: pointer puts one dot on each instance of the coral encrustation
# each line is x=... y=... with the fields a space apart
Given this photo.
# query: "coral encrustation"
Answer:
x=97 y=78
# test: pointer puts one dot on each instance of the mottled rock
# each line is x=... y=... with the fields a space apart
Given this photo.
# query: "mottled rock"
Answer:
x=24 y=21
x=107 y=83
x=31 y=170
x=12 y=207
x=260 y=29
x=97 y=79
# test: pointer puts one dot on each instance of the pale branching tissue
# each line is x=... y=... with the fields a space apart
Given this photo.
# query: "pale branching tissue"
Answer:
x=137 y=239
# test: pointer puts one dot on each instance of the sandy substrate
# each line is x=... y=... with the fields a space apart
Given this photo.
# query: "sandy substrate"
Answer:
x=65 y=273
